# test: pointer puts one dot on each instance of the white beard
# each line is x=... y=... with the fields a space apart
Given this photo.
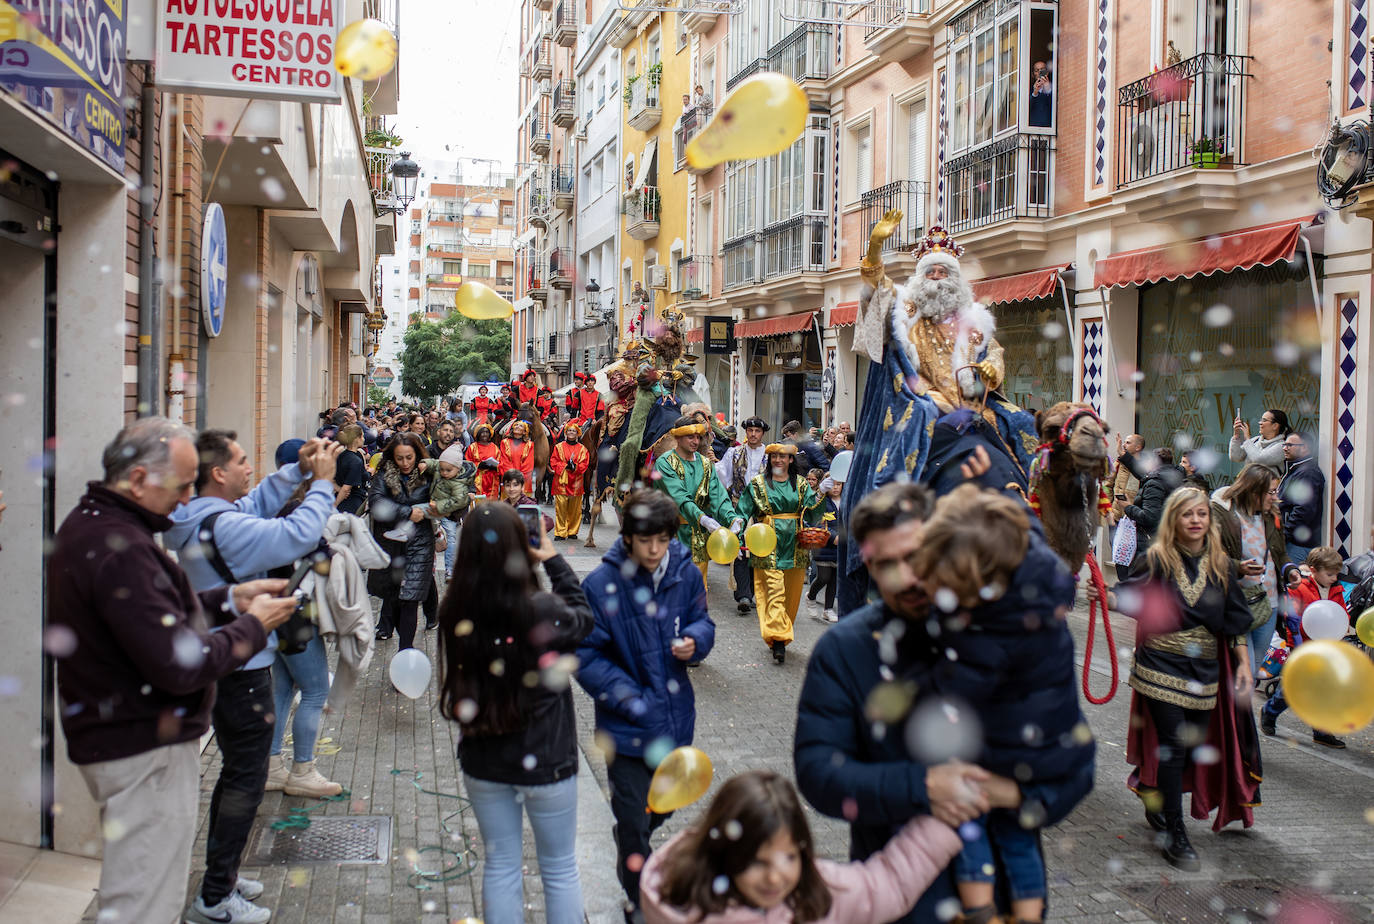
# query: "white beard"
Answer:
x=779 y=470
x=941 y=298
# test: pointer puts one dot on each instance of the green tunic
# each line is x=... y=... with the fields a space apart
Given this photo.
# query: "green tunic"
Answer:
x=696 y=490
x=765 y=497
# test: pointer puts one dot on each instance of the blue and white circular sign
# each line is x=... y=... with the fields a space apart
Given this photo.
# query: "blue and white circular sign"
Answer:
x=214 y=269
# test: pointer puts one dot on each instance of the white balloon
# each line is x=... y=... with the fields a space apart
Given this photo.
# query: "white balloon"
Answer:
x=1325 y=619
x=840 y=465
x=409 y=671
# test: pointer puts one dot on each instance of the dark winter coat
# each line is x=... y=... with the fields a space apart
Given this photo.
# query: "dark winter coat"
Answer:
x=550 y=737
x=849 y=767
x=641 y=691
x=1155 y=489
x=126 y=686
x=390 y=499
x=1301 y=493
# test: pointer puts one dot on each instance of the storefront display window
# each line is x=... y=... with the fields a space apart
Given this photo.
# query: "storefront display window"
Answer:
x=1037 y=352
x=1212 y=347
x=787 y=379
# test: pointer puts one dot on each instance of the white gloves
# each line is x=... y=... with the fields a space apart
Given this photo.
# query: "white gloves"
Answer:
x=737 y=525
x=708 y=523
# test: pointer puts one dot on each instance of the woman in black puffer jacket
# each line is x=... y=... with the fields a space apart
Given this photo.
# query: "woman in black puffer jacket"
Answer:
x=399 y=495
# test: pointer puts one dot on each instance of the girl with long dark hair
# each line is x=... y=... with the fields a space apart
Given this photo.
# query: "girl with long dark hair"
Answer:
x=398 y=499
x=514 y=705
x=751 y=860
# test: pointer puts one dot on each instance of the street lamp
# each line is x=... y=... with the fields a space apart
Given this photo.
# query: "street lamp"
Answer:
x=406 y=173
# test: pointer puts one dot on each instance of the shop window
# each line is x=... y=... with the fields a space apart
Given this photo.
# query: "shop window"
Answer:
x=1037 y=352
x=1198 y=375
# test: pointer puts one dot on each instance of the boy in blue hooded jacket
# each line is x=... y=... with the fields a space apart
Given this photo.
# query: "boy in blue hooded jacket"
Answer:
x=649 y=604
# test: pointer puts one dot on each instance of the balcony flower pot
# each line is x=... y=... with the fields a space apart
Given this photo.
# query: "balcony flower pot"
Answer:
x=1206 y=160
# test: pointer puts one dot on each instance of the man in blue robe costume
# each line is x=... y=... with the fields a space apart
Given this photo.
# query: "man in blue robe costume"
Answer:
x=933 y=352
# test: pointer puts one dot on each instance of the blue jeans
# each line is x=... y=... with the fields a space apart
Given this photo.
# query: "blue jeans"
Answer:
x=1297 y=554
x=553 y=816
x=308 y=672
x=450 y=528
x=1259 y=640
x=1003 y=842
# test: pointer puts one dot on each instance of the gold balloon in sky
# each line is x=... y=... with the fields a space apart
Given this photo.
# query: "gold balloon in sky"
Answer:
x=1330 y=685
x=366 y=50
x=722 y=546
x=476 y=301
x=681 y=779
x=761 y=539
x=764 y=115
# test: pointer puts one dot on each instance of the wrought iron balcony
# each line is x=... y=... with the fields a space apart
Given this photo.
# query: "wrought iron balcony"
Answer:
x=795 y=246
x=540 y=204
x=912 y=198
x=565 y=23
x=641 y=208
x=539 y=134
x=537 y=278
x=748 y=70
x=556 y=349
x=642 y=102
x=541 y=58
x=692 y=122
x=1010 y=178
x=379 y=161
x=804 y=55
x=561 y=186
x=534 y=351
x=1189 y=115
x=740 y=259
x=897 y=29
x=561 y=268
x=564 y=103
x=695 y=277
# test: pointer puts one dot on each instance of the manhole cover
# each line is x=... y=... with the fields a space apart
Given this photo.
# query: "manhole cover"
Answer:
x=341 y=839
x=1242 y=900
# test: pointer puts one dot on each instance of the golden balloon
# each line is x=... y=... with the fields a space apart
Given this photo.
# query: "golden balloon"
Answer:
x=1330 y=685
x=481 y=303
x=681 y=779
x=722 y=546
x=761 y=539
x=1364 y=627
x=366 y=50
x=763 y=115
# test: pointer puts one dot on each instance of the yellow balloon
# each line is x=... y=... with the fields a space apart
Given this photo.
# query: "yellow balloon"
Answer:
x=761 y=539
x=1364 y=626
x=722 y=546
x=682 y=778
x=366 y=50
x=764 y=115
x=476 y=301
x=1330 y=685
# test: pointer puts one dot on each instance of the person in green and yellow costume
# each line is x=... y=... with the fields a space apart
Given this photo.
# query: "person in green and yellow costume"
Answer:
x=775 y=497
x=690 y=480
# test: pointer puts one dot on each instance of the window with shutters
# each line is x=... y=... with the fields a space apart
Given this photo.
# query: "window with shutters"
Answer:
x=858 y=158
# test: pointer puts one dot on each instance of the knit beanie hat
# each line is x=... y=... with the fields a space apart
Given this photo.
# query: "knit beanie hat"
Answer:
x=453 y=456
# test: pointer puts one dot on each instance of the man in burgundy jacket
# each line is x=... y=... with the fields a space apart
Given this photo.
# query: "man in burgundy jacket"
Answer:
x=137 y=664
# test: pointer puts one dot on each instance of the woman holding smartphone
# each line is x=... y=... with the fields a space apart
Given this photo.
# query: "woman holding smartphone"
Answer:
x=1265 y=448
x=518 y=749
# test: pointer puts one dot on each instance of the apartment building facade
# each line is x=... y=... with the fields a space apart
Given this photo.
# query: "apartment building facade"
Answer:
x=467 y=231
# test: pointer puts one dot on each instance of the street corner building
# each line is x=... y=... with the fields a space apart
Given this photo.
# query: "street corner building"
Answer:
x=184 y=230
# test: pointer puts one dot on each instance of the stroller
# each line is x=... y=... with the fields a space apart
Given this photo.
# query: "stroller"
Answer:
x=1268 y=671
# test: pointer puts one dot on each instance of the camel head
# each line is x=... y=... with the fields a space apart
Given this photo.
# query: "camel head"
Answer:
x=1077 y=428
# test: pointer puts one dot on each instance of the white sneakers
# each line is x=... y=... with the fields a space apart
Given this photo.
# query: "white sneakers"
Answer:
x=235 y=909
x=830 y=616
x=305 y=780
x=400 y=532
x=277 y=772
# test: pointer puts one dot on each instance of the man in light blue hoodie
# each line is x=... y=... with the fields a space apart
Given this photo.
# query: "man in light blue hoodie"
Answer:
x=228 y=533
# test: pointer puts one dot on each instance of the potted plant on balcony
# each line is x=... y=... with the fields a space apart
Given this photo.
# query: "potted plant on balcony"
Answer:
x=655 y=74
x=630 y=90
x=1207 y=152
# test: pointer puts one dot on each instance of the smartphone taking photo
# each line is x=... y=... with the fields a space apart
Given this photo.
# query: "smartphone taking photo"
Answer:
x=534 y=519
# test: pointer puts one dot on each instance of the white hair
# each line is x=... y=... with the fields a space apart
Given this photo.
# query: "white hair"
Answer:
x=146 y=442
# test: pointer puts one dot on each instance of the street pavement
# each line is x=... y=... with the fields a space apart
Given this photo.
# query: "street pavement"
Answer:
x=1312 y=836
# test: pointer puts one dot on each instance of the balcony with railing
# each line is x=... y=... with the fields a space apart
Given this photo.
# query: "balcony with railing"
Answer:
x=534 y=351
x=805 y=56
x=641 y=209
x=379 y=161
x=746 y=71
x=694 y=275
x=561 y=186
x=700 y=15
x=541 y=58
x=537 y=278
x=795 y=248
x=912 y=198
x=642 y=102
x=539 y=135
x=740 y=261
x=444 y=280
x=565 y=23
x=689 y=126
x=561 y=268
x=540 y=203
x=1006 y=181
x=897 y=29
x=1188 y=116
x=564 y=103
x=557 y=351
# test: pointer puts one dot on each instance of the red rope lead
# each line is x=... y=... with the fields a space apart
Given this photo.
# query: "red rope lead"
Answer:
x=1098 y=600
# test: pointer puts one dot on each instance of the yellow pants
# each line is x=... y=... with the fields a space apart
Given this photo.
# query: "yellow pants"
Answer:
x=777 y=594
x=702 y=566
x=567 y=515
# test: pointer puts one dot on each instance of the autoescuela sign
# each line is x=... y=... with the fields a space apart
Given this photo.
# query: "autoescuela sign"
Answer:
x=266 y=49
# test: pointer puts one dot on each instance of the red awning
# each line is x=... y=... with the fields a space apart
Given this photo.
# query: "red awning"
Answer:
x=1018 y=286
x=773 y=327
x=1220 y=253
x=696 y=335
x=844 y=314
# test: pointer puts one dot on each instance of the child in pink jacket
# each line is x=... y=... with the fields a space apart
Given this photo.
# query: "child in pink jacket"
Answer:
x=752 y=852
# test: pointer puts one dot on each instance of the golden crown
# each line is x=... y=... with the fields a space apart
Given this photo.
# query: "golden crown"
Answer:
x=938 y=240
